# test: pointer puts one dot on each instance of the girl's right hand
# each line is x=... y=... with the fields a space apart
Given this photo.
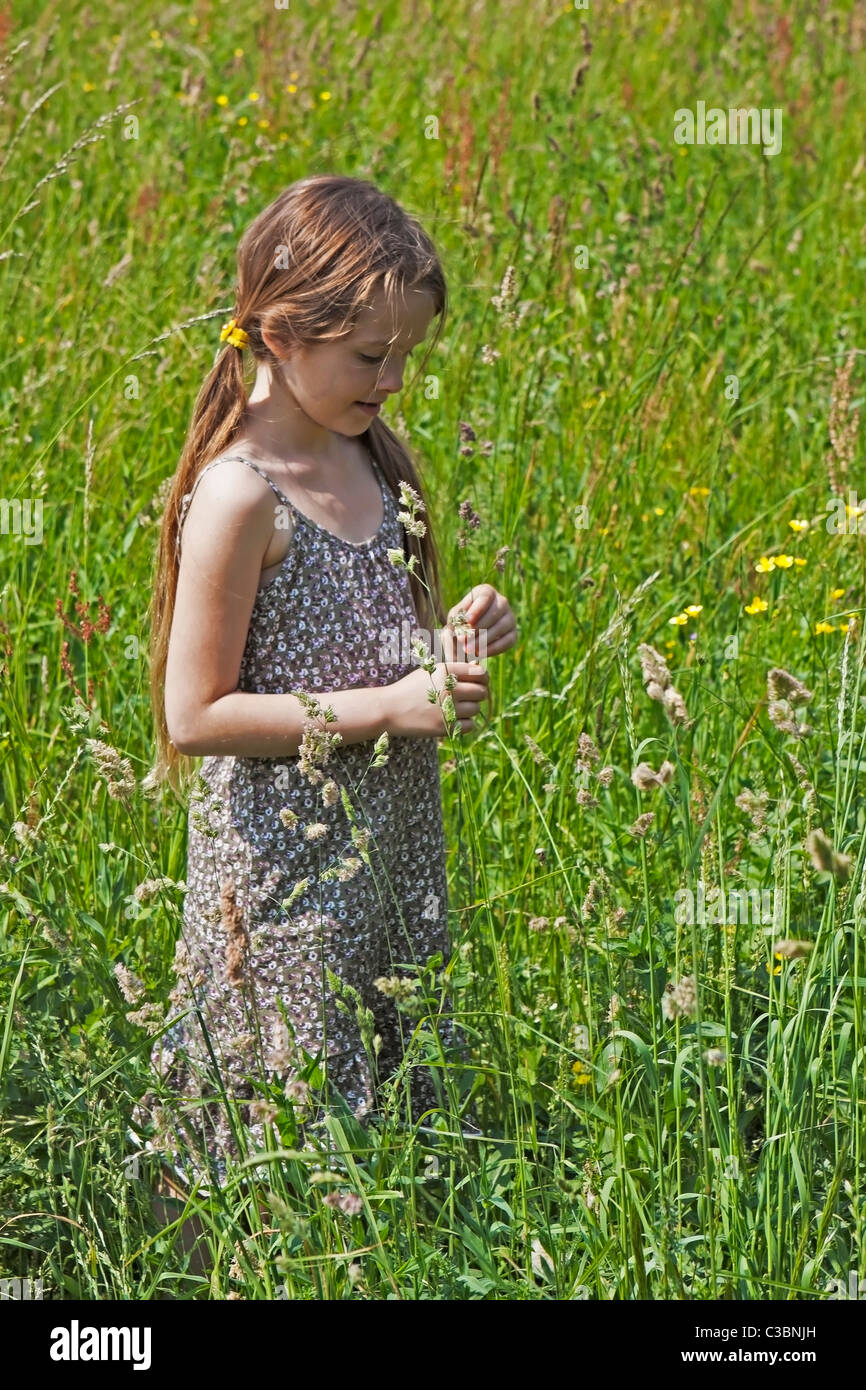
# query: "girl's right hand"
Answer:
x=413 y=713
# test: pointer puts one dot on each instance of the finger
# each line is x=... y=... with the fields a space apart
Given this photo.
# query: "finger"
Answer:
x=498 y=630
x=476 y=638
x=482 y=696
x=473 y=645
x=449 y=644
x=460 y=610
x=502 y=646
x=480 y=599
x=494 y=648
x=491 y=613
x=470 y=693
x=470 y=706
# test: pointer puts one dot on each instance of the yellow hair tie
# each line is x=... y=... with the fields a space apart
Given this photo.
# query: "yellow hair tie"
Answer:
x=236 y=336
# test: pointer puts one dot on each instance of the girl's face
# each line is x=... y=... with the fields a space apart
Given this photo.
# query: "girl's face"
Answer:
x=341 y=385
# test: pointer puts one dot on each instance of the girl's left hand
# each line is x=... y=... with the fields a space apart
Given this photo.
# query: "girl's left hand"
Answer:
x=482 y=608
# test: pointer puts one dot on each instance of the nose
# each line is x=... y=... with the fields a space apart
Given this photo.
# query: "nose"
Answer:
x=391 y=374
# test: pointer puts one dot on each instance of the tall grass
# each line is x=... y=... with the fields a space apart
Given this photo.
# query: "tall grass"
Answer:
x=666 y=1109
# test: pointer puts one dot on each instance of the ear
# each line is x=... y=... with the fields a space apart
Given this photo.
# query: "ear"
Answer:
x=281 y=353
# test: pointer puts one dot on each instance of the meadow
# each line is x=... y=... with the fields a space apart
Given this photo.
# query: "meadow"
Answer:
x=642 y=425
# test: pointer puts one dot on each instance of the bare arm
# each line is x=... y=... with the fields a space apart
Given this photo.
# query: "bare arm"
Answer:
x=226 y=533
x=246 y=725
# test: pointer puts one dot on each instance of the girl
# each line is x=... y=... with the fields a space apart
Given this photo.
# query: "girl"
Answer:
x=287 y=580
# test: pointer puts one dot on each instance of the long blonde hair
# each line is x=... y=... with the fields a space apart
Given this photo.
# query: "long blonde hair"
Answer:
x=305 y=267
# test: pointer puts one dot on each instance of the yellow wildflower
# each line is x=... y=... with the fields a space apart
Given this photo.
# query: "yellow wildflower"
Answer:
x=222 y=100
x=837 y=593
x=679 y=619
x=824 y=627
x=801 y=525
x=582 y=1073
x=784 y=561
x=765 y=564
x=758 y=605
x=693 y=609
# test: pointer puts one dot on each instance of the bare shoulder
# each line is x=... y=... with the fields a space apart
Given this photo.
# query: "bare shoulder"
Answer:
x=230 y=487
x=231 y=505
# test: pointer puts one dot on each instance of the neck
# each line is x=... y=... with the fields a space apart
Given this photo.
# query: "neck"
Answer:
x=276 y=424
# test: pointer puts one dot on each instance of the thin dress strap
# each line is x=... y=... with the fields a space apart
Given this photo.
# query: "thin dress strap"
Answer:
x=262 y=474
x=188 y=496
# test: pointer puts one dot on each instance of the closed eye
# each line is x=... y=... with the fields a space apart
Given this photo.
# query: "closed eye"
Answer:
x=365 y=358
